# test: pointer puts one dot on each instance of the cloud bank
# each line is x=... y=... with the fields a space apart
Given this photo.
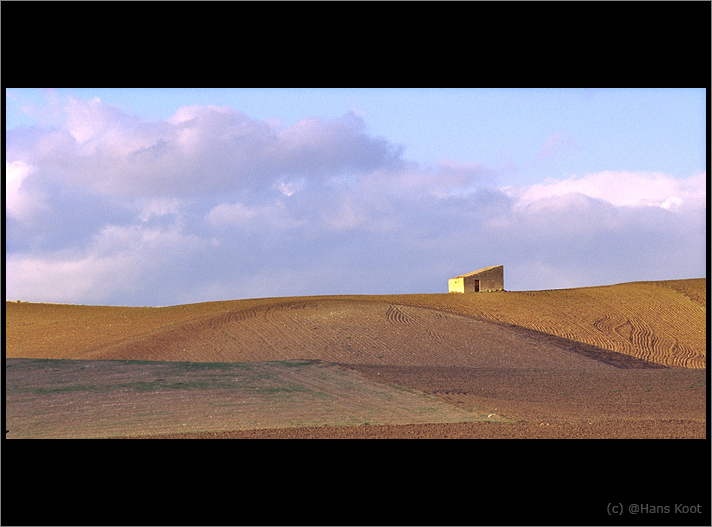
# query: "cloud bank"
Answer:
x=211 y=204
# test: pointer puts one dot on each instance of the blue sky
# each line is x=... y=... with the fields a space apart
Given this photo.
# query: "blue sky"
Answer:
x=167 y=196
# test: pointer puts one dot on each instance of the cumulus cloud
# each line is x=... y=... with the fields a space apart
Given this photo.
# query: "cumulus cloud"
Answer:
x=620 y=188
x=121 y=265
x=607 y=228
x=20 y=203
x=272 y=217
x=158 y=207
x=212 y=204
x=200 y=149
x=83 y=279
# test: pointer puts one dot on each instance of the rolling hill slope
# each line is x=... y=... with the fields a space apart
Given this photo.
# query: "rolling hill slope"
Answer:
x=660 y=322
x=626 y=360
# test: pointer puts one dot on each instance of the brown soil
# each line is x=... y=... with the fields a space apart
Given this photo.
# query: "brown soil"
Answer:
x=660 y=322
x=101 y=399
x=360 y=332
x=653 y=429
x=617 y=361
x=615 y=403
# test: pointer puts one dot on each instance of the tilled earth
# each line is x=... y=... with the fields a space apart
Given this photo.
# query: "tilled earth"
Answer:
x=623 y=403
x=547 y=385
x=93 y=399
x=677 y=429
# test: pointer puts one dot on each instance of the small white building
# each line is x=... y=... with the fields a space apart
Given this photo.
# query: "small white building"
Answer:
x=487 y=279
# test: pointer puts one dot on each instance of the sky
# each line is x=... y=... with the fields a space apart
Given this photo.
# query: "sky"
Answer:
x=170 y=196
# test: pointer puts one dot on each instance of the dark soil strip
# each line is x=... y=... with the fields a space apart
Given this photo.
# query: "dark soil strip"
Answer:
x=612 y=358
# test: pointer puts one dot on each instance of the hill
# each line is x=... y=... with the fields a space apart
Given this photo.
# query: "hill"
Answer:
x=627 y=360
x=660 y=322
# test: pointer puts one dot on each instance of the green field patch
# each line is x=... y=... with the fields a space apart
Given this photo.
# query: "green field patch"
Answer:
x=67 y=399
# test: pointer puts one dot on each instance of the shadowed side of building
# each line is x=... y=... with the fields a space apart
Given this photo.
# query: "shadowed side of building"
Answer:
x=487 y=279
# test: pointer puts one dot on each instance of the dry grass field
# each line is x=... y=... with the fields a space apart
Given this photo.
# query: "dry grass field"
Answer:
x=626 y=360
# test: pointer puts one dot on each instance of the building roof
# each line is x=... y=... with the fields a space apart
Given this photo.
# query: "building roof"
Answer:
x=478 y=271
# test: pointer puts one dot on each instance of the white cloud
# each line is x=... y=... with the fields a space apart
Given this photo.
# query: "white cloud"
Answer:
x=605 y=228
x=20 y=203
x=289 y=188
x=620 y=188
x=235 y=214
x=275 y=217
x=87 y=279
x=447 y=178
x=121 y=265
x=88 y=119
x=199 y=150
x=158 y=207
x=348 y=215
x=211 y=201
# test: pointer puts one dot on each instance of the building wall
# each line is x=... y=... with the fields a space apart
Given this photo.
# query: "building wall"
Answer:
x=491 y=279
x=456 y=285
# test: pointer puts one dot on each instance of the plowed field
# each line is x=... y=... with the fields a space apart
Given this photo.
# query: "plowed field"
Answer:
x=86 y=399
x=617 y=361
